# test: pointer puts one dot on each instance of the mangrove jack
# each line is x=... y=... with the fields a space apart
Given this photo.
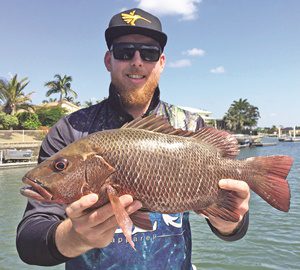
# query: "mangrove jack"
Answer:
x=169 y=170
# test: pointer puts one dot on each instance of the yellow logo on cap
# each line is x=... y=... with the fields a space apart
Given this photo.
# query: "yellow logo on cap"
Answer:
x=131 y=18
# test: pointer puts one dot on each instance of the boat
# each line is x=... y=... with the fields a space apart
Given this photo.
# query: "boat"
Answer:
x=243 y=140
x=287 y=138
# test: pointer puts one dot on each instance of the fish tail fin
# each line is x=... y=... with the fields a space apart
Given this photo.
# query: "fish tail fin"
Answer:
x=269 y=181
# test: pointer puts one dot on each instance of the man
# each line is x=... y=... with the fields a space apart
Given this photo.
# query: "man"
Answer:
x=51 y=234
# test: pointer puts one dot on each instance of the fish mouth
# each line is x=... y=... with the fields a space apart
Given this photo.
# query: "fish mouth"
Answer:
x=35 y=190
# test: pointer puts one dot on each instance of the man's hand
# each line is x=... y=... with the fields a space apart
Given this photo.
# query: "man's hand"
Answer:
x=242 y=191
x=82 y=231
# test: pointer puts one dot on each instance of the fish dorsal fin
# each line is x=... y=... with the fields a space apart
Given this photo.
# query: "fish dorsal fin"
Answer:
x=157 y=123
x=225 y=143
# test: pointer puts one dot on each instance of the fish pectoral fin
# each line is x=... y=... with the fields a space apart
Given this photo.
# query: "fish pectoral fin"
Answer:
x=142 y=220
x=225 y=208
x=122 y=217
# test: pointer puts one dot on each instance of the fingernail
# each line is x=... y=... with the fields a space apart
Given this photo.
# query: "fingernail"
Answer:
x=139 y=204
x=222 y=183
x=93 y=198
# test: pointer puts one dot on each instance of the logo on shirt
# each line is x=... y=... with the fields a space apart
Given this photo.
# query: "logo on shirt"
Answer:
x=167 y=222
x=173 y=221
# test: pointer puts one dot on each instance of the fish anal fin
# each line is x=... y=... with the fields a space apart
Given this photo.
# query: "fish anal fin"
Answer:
x=142 y=220
x=225 y=208
x=224 y=142
x=122 y=217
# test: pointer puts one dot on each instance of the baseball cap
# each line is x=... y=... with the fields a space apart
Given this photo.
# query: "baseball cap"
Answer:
x=135 y=21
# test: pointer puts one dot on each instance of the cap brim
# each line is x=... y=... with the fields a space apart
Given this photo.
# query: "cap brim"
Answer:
x=117 y=31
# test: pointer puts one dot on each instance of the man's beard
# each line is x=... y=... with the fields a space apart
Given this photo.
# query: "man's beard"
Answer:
x=137 y=97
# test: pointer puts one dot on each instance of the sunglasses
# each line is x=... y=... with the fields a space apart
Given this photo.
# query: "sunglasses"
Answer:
x=126 y=51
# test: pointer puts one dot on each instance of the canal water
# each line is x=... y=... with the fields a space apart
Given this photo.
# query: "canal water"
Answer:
x=272 y=241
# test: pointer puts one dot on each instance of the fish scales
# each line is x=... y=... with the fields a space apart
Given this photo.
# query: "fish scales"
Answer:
x=164 y=171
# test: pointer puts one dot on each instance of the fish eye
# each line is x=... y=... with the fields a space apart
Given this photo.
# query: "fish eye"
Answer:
x=60 y=164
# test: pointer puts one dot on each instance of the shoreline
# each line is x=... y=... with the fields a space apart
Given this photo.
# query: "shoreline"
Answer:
x=32 y=145
x=18 y=164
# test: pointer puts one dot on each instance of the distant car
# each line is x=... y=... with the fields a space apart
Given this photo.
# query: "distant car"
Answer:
x=14 y=155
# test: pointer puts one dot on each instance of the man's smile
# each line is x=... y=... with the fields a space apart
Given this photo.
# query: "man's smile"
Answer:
x=135 y=76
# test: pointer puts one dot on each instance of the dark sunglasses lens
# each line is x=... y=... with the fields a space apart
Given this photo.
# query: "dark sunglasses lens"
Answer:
x=126 y=51
x=123 y=52
x=150 y=53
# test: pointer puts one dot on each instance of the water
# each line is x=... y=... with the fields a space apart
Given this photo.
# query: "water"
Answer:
x=272 y=241
x=12 y=206
x=273 y=237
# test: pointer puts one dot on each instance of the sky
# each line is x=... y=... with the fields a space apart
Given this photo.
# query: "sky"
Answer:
x=218 y=51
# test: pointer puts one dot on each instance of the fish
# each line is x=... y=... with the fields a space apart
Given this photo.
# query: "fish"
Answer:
x=169 y=170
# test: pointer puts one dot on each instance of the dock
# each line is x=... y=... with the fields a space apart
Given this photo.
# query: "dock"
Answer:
x=259 y=144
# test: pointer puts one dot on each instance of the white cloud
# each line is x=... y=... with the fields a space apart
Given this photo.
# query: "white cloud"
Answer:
x=180 y=63
x=218 y=70
x=187 y=9
x=194 y=52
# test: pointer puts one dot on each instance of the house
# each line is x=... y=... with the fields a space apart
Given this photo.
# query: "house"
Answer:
x=70 y=107
x=206 y=116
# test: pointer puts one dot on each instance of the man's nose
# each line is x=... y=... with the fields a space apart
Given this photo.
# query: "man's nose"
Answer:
x=137 y=60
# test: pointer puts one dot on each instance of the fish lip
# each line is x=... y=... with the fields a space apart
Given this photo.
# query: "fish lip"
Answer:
x=35 y=190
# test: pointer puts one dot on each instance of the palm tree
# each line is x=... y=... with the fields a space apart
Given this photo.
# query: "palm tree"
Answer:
x=12 y=95
x=241 y=114
x=49 y=100
x=91 y=102
x=62 y=86
x=72 y=100
x=88 y=103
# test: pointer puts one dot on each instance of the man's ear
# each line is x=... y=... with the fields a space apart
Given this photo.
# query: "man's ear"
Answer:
x=107 y=60
x=162 y=61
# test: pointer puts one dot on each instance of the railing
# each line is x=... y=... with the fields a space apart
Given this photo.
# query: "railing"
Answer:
x=22 y=136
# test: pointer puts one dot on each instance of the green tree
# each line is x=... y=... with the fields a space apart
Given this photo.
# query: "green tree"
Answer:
x=12 y=96
x=8 y=121
x=49 y=116
x=240 y=115
x=28 y=121
x=61 y=85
